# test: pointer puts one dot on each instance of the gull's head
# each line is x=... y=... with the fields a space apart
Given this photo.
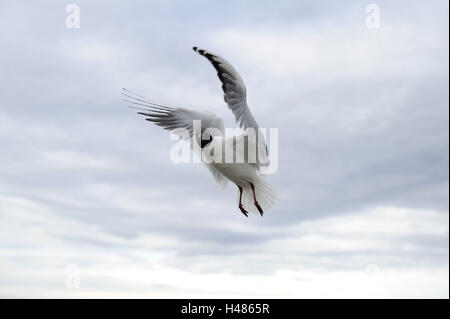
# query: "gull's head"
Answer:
x=207 y=138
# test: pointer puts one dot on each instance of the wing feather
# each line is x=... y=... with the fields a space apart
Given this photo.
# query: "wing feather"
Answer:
x=235 y=95
x=173 y=118
x=233 y=86
x=176 y=118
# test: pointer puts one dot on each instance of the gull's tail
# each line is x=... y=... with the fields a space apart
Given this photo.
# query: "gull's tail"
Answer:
x=266 y=195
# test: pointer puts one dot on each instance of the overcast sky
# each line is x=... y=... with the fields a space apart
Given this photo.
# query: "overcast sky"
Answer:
x=88 y=191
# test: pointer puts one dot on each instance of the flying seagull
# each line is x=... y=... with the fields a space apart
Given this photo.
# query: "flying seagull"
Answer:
x=255 y=193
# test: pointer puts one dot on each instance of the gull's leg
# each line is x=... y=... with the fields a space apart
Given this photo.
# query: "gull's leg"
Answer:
x=240 y=204
x=256 y=202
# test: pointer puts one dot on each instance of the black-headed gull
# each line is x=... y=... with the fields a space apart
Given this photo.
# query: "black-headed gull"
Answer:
x=249 y=148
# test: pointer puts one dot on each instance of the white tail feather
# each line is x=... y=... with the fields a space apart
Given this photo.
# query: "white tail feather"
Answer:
x=265 y=195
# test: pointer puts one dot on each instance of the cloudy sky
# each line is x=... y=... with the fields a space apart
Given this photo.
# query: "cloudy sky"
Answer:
x=92 y=206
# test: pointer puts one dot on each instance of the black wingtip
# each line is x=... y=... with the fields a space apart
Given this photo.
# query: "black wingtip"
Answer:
x=199 y=51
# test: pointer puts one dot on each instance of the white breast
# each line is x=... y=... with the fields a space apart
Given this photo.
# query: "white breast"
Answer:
x=239 y=173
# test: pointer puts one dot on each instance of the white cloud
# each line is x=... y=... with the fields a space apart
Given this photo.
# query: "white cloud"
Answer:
x=40 y=239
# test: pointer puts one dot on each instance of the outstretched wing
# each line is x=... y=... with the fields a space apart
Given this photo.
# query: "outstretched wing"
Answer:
x=174 y=118
x=235 y=93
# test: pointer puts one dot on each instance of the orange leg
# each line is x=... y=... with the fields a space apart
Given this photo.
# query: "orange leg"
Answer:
x=240 y=202
x=256 y=202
